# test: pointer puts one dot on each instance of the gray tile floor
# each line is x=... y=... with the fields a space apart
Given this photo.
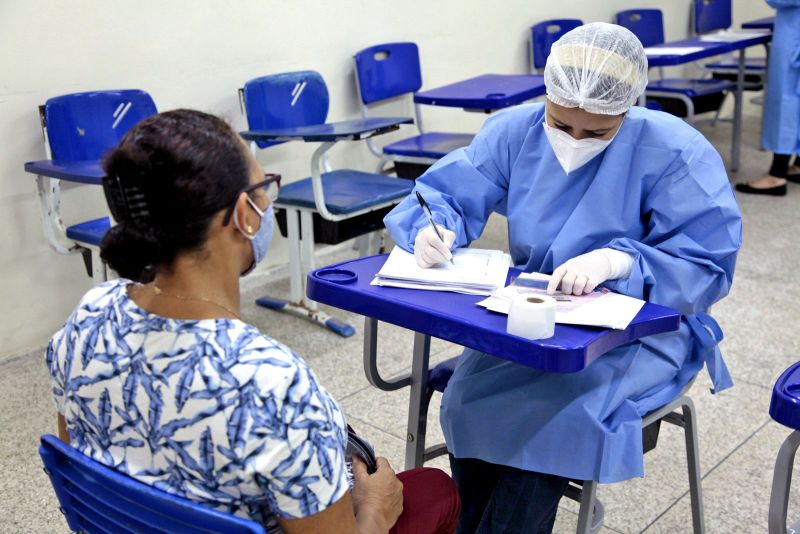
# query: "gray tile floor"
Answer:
x=738 y=441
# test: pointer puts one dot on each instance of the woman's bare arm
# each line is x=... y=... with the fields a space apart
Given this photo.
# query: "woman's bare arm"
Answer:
x=63 y=435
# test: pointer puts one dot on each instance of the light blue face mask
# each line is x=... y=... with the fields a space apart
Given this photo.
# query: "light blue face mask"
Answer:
x=262 y=238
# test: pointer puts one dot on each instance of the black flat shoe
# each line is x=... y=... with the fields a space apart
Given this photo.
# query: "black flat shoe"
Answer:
x=794 y=178
x=776 y=191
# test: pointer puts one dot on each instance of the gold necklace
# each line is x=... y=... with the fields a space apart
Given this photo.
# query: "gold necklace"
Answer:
x=158 y=291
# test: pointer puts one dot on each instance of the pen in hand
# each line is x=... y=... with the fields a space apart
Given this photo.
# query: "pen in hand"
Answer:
x=428 y=214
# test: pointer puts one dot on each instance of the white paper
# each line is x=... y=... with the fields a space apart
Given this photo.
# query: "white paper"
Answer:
x=474 y=271
x=439 y=287
x=730 y=36
x=601 y=308
x=671 y=50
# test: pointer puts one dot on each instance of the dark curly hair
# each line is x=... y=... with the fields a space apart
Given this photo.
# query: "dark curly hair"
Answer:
x=165 y=181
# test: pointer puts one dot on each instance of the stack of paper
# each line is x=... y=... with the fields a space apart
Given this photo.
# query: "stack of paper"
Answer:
x=728 y=36
x=599 y=308
x=473 y=271
x=671 y=50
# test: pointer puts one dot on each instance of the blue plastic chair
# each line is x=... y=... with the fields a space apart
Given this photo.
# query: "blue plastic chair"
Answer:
x=713 y=15
x=80 y=128
x=648 y=26
x=334 y=205
x=544 y=34
x=392 y=70
x=784 y=408
x=96 y=499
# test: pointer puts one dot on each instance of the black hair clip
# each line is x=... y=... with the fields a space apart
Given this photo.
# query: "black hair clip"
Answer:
x=126 y=200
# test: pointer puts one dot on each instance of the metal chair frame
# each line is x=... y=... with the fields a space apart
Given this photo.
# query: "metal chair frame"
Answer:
x=591 y=514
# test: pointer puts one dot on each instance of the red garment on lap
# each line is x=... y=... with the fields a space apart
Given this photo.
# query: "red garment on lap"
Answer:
x=430 y=503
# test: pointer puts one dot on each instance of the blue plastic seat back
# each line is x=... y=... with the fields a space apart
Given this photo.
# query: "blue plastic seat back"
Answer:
x=710 y=15
x=544 y=34
x=84 y=126
x=646 y=24
x=286 y=100
x=388 y=70
x=97 y=499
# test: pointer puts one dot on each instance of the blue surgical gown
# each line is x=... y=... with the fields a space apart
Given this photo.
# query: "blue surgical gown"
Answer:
x=658 y=192
x=781 y=132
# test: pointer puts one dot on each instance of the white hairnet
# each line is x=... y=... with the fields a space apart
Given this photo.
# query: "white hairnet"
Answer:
x=599 y=67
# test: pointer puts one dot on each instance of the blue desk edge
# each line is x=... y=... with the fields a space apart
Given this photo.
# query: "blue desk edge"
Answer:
x=331 y=131
x=550 y=357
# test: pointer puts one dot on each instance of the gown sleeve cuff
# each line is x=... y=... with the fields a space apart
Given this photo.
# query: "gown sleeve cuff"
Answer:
x=621 y=263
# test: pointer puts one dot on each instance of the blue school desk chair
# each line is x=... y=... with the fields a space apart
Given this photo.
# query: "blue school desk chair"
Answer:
x=713 y=15
x=785 y=409
x=78 y=130
x=98 y=500
x=392 y=70
x=547 y=32
x=591 y=512
x=696 y=95
x=327 y=207
x=543 y=35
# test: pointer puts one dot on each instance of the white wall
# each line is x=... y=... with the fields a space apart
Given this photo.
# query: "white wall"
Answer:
x=196 y=54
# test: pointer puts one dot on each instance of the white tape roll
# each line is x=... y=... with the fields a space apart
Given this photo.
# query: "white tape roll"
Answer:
x=532 y=317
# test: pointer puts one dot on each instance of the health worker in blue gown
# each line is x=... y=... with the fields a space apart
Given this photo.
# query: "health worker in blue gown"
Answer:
x=781 y=130
x=596 y=192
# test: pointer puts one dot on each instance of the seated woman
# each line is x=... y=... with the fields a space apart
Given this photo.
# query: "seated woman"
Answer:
x=163 y=381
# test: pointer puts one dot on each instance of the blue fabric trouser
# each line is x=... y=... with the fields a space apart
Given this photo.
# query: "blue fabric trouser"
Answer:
x=497 y=499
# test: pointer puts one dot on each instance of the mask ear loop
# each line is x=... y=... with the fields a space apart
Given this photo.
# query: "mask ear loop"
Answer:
x=255 y=207
x=238 y=226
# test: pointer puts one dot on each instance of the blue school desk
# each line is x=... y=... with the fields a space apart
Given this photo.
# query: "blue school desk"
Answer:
x=767 y=23
x=711 y=49
x=785 y=409
x=456 y=317
x=82 y=172
x=352 y=130
x=487 y=93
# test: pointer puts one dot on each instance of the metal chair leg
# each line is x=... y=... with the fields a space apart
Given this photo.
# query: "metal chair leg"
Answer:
x=693 y=461
x=781 y=482
x=590 y=514
x=301 y=261
x=99 y=274
x=418 y=405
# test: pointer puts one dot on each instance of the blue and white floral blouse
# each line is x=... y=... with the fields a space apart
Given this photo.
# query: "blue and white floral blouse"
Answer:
x=210 y=410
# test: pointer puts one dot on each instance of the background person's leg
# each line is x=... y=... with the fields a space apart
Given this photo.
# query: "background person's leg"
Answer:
x=793 y=173
x=475 y=480
x=780 y=164
x=773 y=183
x=430 y=503
x=523 y=501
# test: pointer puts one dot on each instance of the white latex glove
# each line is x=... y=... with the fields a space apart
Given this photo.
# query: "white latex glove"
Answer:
x=582 y=274
x=429 y=249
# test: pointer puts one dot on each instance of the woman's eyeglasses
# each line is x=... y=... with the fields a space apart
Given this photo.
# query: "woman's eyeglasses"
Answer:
x=270 y=187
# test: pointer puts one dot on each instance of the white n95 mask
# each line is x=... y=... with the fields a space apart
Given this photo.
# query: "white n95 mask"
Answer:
x=573 y=153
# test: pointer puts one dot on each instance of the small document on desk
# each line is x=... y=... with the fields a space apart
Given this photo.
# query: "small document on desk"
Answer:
x=671 y=50
x=474 y=271
x=732 y=36
x=601 y=307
